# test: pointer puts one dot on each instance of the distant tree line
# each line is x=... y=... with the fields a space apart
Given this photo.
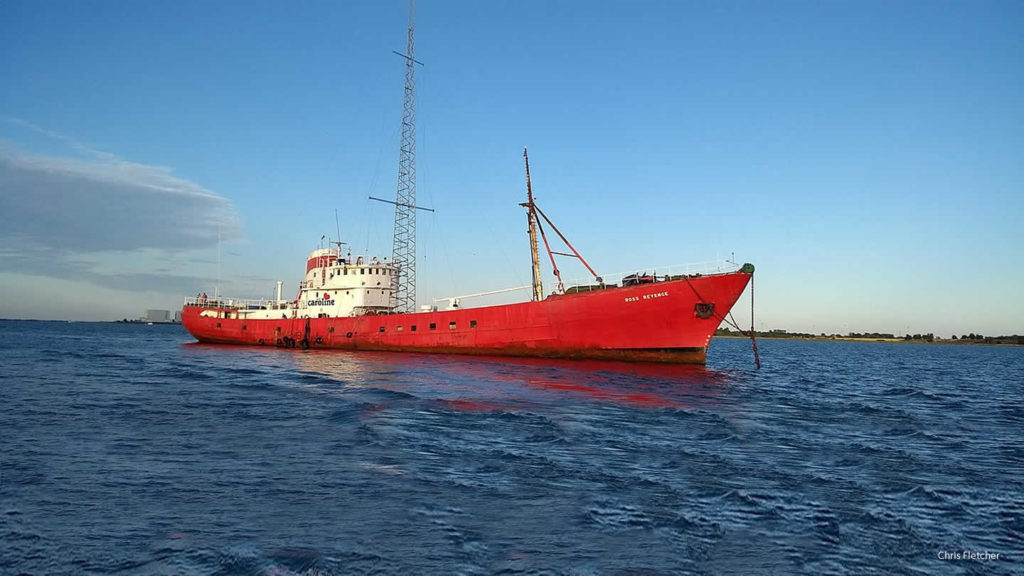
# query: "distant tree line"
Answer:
x=872 y=335
x=779 y=333
x=929 y=337
x=979 y=338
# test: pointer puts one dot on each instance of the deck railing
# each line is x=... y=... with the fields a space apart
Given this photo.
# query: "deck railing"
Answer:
x=654 y=274
x=235 y=303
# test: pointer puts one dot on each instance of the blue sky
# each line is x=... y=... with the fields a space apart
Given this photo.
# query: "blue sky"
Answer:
x=867 y=157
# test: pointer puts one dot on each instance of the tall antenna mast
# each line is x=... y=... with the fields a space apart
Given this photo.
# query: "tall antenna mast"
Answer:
x=403 y=249
x=531 y=216
x=532 y=211
x=216 y=288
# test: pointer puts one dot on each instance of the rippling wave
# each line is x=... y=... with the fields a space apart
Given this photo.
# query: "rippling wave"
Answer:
x=128 y=449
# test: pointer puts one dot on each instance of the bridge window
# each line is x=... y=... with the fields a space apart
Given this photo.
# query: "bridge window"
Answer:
x=362 y=270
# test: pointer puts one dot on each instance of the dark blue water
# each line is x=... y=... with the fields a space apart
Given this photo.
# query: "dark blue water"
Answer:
x=127 y=450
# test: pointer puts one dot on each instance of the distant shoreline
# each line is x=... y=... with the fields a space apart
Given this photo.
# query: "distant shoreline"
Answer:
x=143 y=322
x=967 y=342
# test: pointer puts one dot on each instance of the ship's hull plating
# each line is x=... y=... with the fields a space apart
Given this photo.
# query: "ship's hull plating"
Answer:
x=657 y=322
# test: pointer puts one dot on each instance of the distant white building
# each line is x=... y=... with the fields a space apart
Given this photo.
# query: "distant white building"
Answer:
x=157 y=316
x=177 y=316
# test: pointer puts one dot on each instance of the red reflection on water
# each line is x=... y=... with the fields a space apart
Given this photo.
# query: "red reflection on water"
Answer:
x=634 y=384
x=493 y=383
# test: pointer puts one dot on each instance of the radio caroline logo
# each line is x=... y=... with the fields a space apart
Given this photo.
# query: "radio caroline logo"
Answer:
x=323 y=300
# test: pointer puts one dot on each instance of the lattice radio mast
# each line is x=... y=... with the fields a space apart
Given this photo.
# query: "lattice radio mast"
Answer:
x=403 y=250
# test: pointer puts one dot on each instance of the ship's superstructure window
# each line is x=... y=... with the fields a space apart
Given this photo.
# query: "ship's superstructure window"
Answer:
x=362 y=270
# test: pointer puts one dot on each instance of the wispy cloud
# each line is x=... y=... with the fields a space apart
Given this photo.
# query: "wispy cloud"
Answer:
x=105 y=204
x=61 y=213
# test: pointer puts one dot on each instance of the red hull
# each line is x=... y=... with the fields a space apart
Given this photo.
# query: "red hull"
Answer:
x=657 y=322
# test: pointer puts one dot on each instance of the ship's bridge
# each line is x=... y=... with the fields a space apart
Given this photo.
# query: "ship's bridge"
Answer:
x=337 y=285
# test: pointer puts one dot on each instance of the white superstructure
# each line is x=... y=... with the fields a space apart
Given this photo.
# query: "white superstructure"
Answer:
x=332 y=287
x=335 y=286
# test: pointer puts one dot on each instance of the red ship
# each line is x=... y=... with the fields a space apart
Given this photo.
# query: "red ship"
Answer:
x=665 y=321
x=350 y=304
x=360 y=304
